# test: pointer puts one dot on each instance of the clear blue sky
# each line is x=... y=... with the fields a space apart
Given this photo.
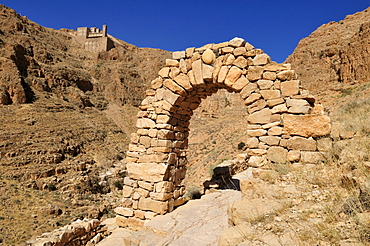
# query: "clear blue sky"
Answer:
x=274 y=26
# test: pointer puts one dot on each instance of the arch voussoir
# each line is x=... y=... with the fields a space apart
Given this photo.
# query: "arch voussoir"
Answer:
x=278 y=112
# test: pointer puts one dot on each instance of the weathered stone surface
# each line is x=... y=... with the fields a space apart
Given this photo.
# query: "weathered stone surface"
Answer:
x=145 y=123
x=237 y=42
x=127 y=191
x=277 y=154
x=149 y=204
x=275 y=131
x=174 y=72
x=172 y=63
x=124 y=211
x=135 y=223
x=261 y=59
x=229 y=59
x=254 y=73
x=184 y=81
x=256 y=152
x=207 y=71
x=146 y=185
x=256 y=133
x=289 y=88
x=240 y=83
x=299 y=109
x=240 y=62
x=248 y=90
x=287 y=75
x=260 y=117
x=178 y=55
x=300 y=143
x=121 y=221
x=152 y=172
x=226 y=50
x=274 y=67
x=270 y=94
x=282 y=108
x=164 y=186
x=294 y=155
x=265 y=84
x=173 y=86
x=197 y=70
x=164 y=72
x=160 y=196
x=306 y=125
x=157 y=83
x=252 y=142
x=232 y=76
x=324 y=144
x=252 y=98
x=256 y=106
x=311 y=157
x=208 y=56
x=274 y=102
x=222 y=74
x=269 y=76
x=270 y=140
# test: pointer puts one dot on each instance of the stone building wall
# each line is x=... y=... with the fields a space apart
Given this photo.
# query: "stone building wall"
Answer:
x=283 y=124
x=94 y=39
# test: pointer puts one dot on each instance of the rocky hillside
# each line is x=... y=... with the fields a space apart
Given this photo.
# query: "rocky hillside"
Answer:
x=65 y=115
x=334 y=60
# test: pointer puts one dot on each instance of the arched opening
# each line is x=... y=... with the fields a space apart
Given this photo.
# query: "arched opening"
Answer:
x=283 y=121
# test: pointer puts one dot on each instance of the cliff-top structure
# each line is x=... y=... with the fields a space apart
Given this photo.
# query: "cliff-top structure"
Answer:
x=94 y=39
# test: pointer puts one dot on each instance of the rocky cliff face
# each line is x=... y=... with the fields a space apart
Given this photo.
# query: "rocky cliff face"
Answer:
x=335 y=56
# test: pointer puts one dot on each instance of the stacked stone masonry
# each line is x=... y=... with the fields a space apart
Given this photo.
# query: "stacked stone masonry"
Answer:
x=282 y=126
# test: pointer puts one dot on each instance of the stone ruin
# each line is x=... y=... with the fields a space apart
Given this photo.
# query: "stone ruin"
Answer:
x=94 y=39
x=283 y=124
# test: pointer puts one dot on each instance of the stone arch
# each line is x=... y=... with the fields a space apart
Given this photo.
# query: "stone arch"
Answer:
x=282 y=124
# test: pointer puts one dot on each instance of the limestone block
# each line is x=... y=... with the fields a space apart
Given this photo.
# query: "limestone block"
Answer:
x=189 y=52
x=164 y=72
x=166 y=134
x=177 y=55
x=294 y=155
x=127 y=191
x=174 y=72
x=150 y=215
x=289 y=88
x=163 y=186
x=275 y=131
x=270 y=140
x=311 y=157
x=184 y=81
x=162 y=149
x=229 y=59
x=145 y=140
x=198 y=74
x=164 y=143
x=269 y=76
x=179 y=201
x=156 y=83
x=128 y=212
x=145 y=185
x=129 y=182
x=274 y=102
x=300 y=143
x=173 y=86
x=136 y=148
x=324 y=144
x=183 y=66
x=256 y=106
x=236 y=42
x=287 y=75
x=134 y=137
x=240 y=62
x=207 y=71
x=220 y=45
x=261 y=59
x=252 y=142
x=265 y=84
x=260 y=117
x=277 y=85
x=248 y=90
x=163 y=119
x=240 y=83
x=269 y=125
x=227 y=50
x=254 y=73
x=277 y=154
x=158 y=157
x=299 y=109
x=208 y=56
x=121 y=221
x=172 y=63
x=306 y=125
x=216 y=67
x=139 y=214
x=135 y=223
x=160 y=196
x=152 y=133
x=151 y=172
x=256 y=152
x=252 y=98
x=222 y=74
x=239 y=51
x=270 y=94
x=256 y=161
x=282 y=108
x=232 y=76
x=149 y=204
x=248 y=46
x=296 y=102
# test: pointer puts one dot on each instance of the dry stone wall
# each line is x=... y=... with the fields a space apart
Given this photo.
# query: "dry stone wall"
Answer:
x=283 y=122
